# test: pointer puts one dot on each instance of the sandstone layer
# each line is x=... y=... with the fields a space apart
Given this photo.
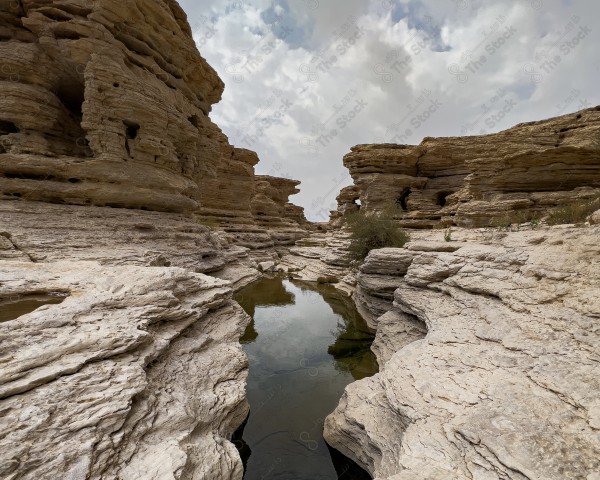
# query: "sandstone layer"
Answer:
x=107 y=103
x=488 y=356
x=138 y=373
x=469 y=181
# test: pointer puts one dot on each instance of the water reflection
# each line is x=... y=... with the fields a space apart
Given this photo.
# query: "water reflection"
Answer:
x=12 y=308
x=305 y=344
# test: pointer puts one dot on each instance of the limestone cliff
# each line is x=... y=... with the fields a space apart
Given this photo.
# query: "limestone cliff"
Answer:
x=110 y=170
x=467 y=181
x=107 y=103
x=487 y=351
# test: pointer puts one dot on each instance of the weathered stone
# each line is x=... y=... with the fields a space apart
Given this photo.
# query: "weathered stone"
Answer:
x=107 y=104
x=137 y=374
x=487 y=363
x=468 y=181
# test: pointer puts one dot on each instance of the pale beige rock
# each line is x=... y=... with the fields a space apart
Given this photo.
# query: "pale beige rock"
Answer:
x=503 y=385
x=137 y=374
x=470 y=181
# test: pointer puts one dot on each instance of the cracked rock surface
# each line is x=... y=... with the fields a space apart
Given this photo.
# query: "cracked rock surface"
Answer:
x=488 y=358
x=138 y=373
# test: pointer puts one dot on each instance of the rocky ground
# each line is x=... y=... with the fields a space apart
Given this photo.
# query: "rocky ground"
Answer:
x=488 y=348
x=138 y=373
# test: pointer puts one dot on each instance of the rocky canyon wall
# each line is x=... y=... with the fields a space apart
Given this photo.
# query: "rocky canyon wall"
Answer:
x=468 y=181
x=487 y=348
x=111 y=173
x=107 y=103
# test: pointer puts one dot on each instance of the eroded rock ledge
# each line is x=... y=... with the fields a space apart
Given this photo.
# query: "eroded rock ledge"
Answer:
x=488 y=359
x=138 y=373
x=468 y=181
x=107 y=103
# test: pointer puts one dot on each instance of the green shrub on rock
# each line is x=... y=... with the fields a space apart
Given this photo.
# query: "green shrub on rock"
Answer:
x=369 y=231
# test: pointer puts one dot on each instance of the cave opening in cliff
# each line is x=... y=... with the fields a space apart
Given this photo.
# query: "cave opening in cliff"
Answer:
x=442 y=198
x=71 y=95
x=7 y=127
x=403 y=198
x=131 y=130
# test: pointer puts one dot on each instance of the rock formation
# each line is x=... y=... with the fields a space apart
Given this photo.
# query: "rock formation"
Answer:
x=110 y=172
x=271 y=208
x=107 y=104
x=138 y=373
x=467 y=181
x=487 y=358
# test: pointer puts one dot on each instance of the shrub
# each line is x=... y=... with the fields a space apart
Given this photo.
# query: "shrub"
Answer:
x=575 y=212
x=210 y=222
x=515 y=217
x=448 y=235
x=369 y=231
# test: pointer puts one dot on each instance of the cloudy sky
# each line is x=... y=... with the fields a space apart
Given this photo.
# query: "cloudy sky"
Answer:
x=305 y=80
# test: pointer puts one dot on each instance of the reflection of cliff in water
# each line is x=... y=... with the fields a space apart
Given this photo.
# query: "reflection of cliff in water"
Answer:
x=353 y=338
x=267 y=292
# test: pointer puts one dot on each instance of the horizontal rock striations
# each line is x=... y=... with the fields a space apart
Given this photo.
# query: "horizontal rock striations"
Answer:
x=138 y=373
x=107 y=104
x=488 y=356
x=112 y=176
x=468 y=181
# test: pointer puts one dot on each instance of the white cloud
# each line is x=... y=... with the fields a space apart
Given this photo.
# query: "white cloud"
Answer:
x=387 y=69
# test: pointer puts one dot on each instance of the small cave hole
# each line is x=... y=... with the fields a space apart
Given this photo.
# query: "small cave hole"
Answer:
x=578 y=116
x=442 y=198
x=131 y=130
x=116 y=85
x=74 y=180
x=403 y=198
x=194 y=120
x=71 y=95
x=7 y=127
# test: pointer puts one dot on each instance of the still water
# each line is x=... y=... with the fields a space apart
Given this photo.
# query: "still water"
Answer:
x=20 y=305
x=305 y=344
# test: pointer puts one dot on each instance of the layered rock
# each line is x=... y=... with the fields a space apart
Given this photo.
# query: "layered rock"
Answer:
x=107 y=104
x=110 y=170
x=468 y=181
x=138 y=373
x=487 y=360
x=271 y=208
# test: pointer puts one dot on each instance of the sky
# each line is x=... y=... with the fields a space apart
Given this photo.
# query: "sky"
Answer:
x=305 y=80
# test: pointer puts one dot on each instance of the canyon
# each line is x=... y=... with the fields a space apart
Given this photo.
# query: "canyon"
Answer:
x=129 y=217
x=472 y=181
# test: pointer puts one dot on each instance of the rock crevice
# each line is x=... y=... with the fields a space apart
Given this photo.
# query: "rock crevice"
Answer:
x=487 y=356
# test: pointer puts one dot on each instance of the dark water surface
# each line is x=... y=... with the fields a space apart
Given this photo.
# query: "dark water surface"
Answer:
x=14 y=308
x=305 y=344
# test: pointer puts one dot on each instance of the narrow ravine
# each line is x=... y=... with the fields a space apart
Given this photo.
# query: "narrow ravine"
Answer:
x=304 y=344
